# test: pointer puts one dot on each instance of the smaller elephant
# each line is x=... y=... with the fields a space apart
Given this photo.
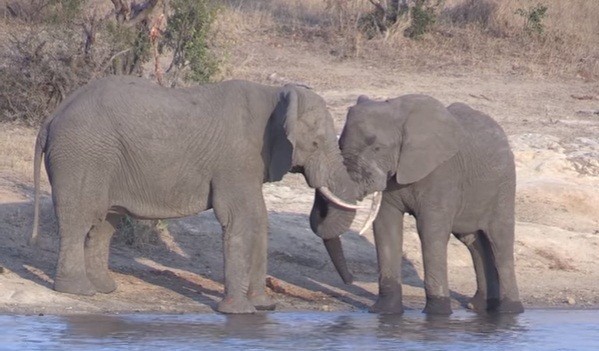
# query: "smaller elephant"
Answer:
x=453 y=170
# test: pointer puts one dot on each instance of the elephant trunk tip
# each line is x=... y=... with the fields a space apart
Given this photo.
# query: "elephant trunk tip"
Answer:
x=348 y=278
x=335 y=250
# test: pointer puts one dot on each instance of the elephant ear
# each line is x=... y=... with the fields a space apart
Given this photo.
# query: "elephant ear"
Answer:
x=431 y=136
x=281 y=131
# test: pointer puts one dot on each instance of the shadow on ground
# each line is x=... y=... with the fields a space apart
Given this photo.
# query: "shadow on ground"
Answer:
x=187 y=257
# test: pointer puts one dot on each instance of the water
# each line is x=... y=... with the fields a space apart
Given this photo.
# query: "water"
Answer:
x=533 y=330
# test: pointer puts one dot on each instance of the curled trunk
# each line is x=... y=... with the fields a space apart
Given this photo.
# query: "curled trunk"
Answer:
x=329 y=220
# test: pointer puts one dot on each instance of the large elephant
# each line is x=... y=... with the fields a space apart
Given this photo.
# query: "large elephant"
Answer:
x=453 y=170
x=124 y=145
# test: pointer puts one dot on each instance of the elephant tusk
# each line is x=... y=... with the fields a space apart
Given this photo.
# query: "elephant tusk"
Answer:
x=328 y=194
x=377 y=199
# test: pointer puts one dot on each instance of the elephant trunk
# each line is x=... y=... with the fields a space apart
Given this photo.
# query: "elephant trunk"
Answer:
x=335 y=250
x=328 y=219
x=331 y=218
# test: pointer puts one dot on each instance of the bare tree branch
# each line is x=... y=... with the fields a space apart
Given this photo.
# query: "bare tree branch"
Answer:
x=378 y=5
x=121 y=10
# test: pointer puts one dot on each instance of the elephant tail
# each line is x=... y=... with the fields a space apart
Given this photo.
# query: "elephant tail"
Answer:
x=40 y=146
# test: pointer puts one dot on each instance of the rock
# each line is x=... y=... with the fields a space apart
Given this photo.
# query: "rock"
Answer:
x=534 y=141
x=570 y=300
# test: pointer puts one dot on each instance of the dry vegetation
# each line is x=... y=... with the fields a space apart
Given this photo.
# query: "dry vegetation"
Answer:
x=48 y=51
x=486 y=34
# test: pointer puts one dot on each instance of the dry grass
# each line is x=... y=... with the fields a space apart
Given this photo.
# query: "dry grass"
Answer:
x=142 y=235
x=16 y=151
x=469 y=33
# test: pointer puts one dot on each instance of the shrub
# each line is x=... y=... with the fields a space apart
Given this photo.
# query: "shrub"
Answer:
x=533 y=17
x=479 y=12
x=139 y=234
x=423 y=15
x=42 y=11
x=186 y=35
x=42 y=64
x=40 y=68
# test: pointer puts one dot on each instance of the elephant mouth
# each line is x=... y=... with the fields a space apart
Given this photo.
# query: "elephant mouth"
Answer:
x=297 y=169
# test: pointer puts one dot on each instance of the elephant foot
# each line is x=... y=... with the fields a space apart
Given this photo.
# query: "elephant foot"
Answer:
x=479 y=303
x=103 y=283
x=262 y=302
x=437 y=305
x=74 y=286
x=387 y=305
x=230 y=305
x=509 y=306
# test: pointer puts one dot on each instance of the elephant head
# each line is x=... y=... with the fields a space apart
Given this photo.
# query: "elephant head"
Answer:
x=398 y=141
x=306 y=143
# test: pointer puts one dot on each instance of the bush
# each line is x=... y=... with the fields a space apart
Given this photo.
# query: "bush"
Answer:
x=41 y=67
x=139 y=234
x=387 y=14
x=42 y=11
x=479 y=12
x=533 y=17
x=423 y=16
x=186 y=35
x=42 y=64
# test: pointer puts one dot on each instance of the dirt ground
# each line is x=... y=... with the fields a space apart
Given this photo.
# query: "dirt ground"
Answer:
x=552 y=123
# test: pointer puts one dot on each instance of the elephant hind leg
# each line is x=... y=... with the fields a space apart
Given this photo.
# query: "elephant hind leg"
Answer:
x=487 y=280
x=71 y=274
x=501 y=239
x=97 y=247
x=79 y=203
x=500 y=234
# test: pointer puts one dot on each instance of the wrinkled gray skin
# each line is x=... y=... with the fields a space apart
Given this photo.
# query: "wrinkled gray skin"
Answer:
x=453 y=170
x=124 y=145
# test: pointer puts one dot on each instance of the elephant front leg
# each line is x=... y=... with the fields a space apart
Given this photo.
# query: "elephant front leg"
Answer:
x=388 y=237
x=434 y=234
x=243 y=217
x=258 y=245
x=97 y=247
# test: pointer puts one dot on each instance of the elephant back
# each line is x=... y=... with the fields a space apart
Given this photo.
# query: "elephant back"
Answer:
x=485 y=150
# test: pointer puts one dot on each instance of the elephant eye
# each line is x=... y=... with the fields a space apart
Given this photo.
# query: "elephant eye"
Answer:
x=377 y=148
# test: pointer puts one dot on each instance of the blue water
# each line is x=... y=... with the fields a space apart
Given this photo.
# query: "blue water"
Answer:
x=533 y=330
